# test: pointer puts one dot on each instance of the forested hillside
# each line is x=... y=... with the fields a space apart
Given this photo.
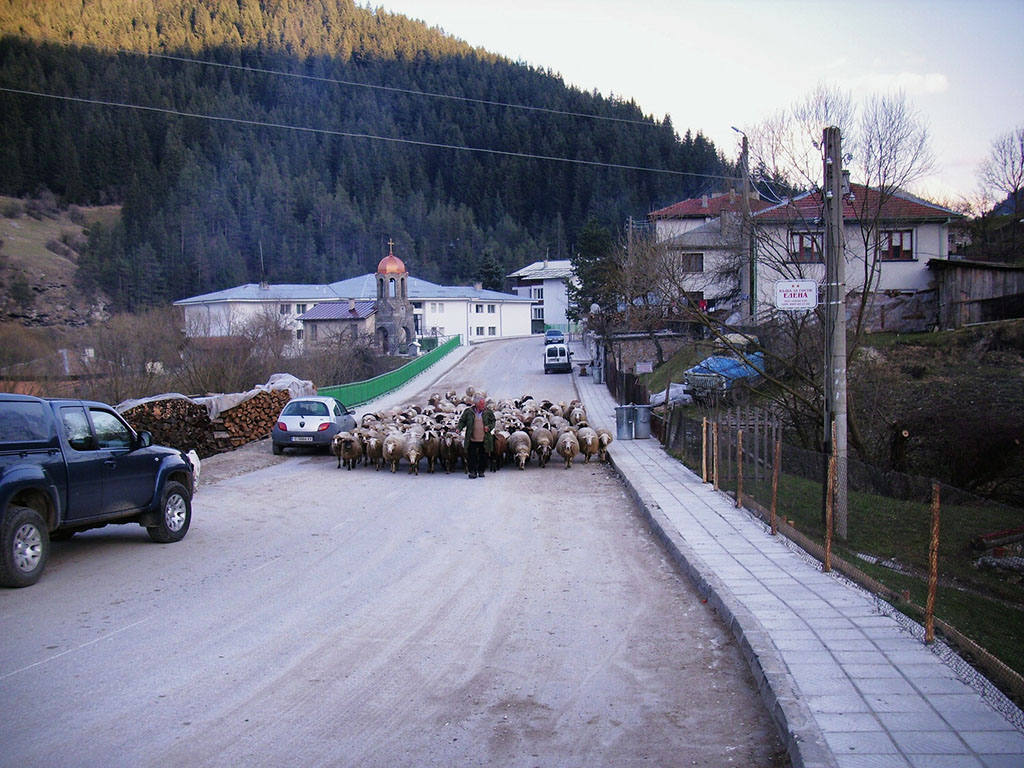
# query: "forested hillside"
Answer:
x=286 y=185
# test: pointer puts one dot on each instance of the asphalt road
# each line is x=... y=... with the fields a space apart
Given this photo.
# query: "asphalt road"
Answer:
x=319 y=616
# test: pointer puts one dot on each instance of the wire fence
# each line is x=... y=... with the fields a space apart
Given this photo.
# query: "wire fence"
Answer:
x=945 y=557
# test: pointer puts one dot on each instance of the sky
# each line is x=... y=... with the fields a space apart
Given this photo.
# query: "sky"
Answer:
x=714 y=64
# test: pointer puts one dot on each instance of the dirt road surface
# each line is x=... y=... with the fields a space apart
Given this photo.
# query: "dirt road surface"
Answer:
x=320 y=616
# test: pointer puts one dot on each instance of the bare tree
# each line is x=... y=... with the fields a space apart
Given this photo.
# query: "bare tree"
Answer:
x=887 y=143
x=1002 y=173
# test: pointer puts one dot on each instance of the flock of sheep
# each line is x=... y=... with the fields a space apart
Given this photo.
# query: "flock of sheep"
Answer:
x=524 y=428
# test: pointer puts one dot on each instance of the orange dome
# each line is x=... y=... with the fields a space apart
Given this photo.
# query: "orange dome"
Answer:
x=391 y=264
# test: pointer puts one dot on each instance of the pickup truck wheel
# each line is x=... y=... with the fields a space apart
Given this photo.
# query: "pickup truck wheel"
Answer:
x=26 y=547
x=175 y=515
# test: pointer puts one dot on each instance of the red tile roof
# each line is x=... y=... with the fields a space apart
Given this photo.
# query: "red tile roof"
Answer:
x=866 y=201
x=701 y=207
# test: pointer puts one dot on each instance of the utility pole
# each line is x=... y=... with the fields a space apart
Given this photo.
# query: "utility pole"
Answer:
x=748 y=273
x=835 y=320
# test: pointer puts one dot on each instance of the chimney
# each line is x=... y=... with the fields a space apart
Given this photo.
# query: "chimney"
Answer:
x=478 y=286
x=351 y=305
x=703 y=201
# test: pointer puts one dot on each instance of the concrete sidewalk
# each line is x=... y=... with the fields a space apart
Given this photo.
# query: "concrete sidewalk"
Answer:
x=848 y=680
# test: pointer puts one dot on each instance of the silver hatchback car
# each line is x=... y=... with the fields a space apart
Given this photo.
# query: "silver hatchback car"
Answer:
x=310 y=422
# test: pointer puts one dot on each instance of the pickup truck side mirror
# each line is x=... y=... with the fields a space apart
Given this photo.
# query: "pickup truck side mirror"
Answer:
x=145 y=439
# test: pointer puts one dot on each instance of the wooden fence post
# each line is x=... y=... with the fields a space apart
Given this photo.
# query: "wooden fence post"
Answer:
x=704 y=450
x=739 y=467
x=714 y=453
x=933 y=569
x=775 y=485
x=829 y=504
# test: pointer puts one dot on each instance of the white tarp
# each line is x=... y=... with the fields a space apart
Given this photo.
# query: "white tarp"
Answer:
x=676 y=394
x=217 y=404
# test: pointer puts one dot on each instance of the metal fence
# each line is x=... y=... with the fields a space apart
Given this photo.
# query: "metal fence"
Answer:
x=359 y=392
x=945 y=557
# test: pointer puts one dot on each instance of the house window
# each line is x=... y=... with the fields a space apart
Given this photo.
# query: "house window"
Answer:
x=490 y=309
x=285 y=309
x=538 y=313
x=479 y=330
x=492 y=331
x=479 y=309
x=805 y=247
x=298 y=335
x=537 y=293
x=300 y=308
x=312 y=332
x=690 y=262
x=437 y=306
x=896 y=245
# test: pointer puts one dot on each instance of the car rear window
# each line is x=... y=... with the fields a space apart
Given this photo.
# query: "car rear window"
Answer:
x=305 y=408
x=23 y=423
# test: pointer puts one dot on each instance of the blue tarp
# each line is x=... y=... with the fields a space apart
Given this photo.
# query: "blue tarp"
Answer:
x=731 y=368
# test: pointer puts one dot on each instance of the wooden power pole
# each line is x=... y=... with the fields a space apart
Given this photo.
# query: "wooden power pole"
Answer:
x=835 y=321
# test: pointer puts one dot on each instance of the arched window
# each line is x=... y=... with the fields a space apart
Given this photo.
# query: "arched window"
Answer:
x=392 y=288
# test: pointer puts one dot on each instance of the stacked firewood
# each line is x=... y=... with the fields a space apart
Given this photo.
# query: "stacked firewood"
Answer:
x=250 y=420
x=176 y=422
x=186 y=425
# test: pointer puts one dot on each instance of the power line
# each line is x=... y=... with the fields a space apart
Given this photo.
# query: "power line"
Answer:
x=392 y=89
x=347 y=134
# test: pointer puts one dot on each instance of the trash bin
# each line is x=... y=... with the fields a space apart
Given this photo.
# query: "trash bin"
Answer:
x=624 y=415
x=642 y=422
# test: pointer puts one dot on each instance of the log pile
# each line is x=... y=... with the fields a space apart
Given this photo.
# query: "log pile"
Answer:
x=176 y=422
x=250 y=420
x=186 y=425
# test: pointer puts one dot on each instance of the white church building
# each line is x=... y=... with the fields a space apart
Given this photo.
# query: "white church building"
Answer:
x=444 y=311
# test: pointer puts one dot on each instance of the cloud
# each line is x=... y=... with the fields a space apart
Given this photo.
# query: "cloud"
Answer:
x=911 y=83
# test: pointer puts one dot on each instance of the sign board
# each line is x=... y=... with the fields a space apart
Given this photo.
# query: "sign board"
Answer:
x=796 y=294
x=643 y=366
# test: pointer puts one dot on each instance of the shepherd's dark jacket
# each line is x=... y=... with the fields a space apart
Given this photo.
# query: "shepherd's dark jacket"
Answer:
x=466 y=423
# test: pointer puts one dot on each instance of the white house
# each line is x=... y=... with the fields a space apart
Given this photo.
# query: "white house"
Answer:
x=545 y=284
x=438 y=310
x=711 y=261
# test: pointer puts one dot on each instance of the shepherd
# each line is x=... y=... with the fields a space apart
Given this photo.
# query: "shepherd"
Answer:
x=478 y=423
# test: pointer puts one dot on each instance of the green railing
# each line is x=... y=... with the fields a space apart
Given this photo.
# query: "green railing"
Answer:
x=359 y=392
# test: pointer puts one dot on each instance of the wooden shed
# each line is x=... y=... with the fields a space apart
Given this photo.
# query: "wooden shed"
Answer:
x=977 y=291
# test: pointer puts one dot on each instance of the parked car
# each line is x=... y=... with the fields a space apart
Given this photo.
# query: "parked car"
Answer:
x=720 y=378
x=553 y=336
x=557 y=359
x=70 y=465
x=310 y=422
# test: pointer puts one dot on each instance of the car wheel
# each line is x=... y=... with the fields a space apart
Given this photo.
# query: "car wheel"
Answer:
x=175 y=515
x=278 y=450
x=26 y=547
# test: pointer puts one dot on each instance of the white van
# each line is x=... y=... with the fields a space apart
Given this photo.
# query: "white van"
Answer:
x=557 y=358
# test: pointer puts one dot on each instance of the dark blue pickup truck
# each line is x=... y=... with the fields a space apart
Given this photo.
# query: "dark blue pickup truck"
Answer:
x=70 y=465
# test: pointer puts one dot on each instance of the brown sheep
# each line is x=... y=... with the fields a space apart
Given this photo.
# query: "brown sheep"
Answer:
x=394 y=447
x=431 y=448
x=348 y=447
x=414 y=450
x=520 y=447
x=604 y=439
x=543 y=441
x=589 y=443
x=567 y=447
